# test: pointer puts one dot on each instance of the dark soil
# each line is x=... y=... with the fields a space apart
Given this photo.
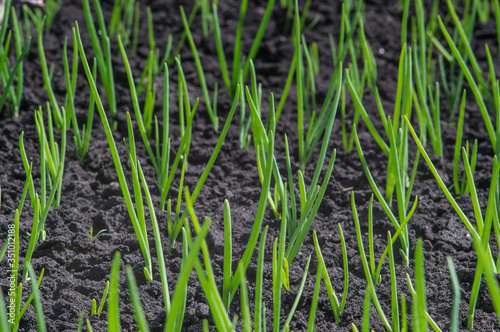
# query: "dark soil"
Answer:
x=76 y=271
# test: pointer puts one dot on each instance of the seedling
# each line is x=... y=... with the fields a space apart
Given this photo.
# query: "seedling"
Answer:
x=161 y=157
x=154 y=62
x=245 y=124
x=97 y=310
x=421 y=317
x=52 y=155
x=102 y=52
x=481 y=92
x=40 y=203
x=92 y=238
x=11 y=321
x=206 y=276
x=211 y=109
x=366 y=267
x=455 y=311
x=125 y=22
x=51 y=9
x=489 y=271
x=82 y=136
x=174 y=316
x=136 y=302
x=241 y=63
x=398 y=178
x=79 y=324
x=483 y=224
x=278 y=267
x=366 y=312
x=461 y=186
x=314 y=303
x=402 y=198
x=38 y=302
x=425 y=99
x=182 y=40
x=231 y=282
x=113 y=306
x=419 y=300
x=11 y=72
x=316 y=120
x=137 y=216
x=452 y=79
x=298 y=226
x=337 y=307
x=260 y=307
x=218 y=303
x=370 y=65
x=206 y=171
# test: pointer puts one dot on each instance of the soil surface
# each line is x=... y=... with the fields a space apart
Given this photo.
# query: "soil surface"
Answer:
x=76 y=271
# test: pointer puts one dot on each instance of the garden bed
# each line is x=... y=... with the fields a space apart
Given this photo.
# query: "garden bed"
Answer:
x=76 y=270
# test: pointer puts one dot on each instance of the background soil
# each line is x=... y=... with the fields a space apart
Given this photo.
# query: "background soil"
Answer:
x=76 y=271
